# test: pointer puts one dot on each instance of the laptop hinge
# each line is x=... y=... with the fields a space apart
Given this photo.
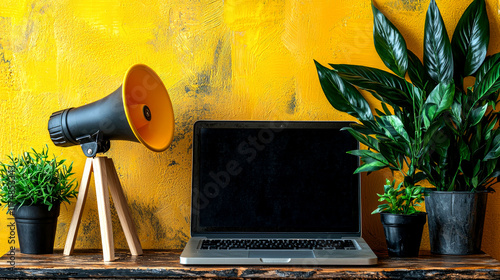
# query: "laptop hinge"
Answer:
x=277 y=235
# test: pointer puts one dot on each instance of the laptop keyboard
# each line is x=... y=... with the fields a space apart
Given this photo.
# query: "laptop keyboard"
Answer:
x=288 y=244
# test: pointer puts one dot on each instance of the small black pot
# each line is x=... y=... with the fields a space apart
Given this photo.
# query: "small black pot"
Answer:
x=403 y=233
x=36 y=228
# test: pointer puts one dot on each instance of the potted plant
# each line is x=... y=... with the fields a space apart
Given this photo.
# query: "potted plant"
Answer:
x=33 y=186
x=403 y=224
x=468 y=166
x=395 y=140
x=460 y=142
x=397 y=137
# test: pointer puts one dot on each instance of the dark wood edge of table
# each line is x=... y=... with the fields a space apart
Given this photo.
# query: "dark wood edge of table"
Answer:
x=165 y=264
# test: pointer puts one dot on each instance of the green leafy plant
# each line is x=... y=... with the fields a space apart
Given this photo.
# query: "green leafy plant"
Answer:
x=400 y=200
x=437 y=125
x=34 y=178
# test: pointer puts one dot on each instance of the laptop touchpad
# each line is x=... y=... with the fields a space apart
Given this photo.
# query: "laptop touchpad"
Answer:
x=281 y=254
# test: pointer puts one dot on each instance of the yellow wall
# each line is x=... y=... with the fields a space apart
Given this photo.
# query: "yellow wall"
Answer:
x=232 y=59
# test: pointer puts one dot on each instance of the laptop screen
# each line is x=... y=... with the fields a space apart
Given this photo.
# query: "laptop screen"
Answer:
x=274 y=177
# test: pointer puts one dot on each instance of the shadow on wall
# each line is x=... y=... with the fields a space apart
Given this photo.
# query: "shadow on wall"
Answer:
x=149 y=227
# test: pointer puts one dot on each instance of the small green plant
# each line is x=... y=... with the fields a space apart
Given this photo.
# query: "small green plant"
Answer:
x=34 y=178
x=400 y=200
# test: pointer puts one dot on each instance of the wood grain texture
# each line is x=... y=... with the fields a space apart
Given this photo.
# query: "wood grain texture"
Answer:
x=103 y=207
x=165 y=264
x=80 y=204
x=105 y=177
x=122 y=210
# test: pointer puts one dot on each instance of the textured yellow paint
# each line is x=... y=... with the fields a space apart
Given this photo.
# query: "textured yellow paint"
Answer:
x=232 y=59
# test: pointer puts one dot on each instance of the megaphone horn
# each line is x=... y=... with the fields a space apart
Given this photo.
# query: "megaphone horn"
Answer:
x=139 y=110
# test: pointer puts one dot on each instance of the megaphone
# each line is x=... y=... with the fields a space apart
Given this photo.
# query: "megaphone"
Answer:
x=140 y=110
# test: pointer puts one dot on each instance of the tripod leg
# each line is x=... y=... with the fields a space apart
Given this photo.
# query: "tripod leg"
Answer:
x=102 y=193
x=80 y=203
x=122 y=209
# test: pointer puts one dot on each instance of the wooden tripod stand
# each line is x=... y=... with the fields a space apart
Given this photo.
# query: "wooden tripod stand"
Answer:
x=105 y=175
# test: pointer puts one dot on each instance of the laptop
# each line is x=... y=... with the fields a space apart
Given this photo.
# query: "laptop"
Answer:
x=276 y=193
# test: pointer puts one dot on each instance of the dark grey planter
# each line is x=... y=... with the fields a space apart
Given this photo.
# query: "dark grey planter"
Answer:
x=403 y=233
x=456 y=221
x=36 y=228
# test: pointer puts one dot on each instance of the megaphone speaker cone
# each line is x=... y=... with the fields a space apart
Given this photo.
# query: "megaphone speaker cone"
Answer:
x=148 y=108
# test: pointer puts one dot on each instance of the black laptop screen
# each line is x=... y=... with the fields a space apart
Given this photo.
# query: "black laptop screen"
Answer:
x=273 y=177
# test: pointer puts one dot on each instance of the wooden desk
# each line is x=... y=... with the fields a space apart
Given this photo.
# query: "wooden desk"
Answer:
x=165 y=264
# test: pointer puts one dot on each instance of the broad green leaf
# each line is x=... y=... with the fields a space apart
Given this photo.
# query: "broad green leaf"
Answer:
x=489 y=62
x=477 y=114
x=494 y=152
x=464 y=151
x=381 y=208
x=442 y=96
x=368 y=156
x=474 y=181
x=386 y=85
x=476 y=142
x=411 y=169
x=386 y=110
x=363 y=139
x=440 y=144
x=389 y=154
x=398 y=126
x=476 y=170
x=488 y=132
x=417 y=73
x=419 y=176
x=432 y=136
x=438 y=56
x=387 y=132
x=417 y=96
x=389 y=43
x=370 y=167
x=380 y=113
x=456 y=113
x=494 y=174
x=470 y=39
x=430 y=111
x=366 y=127
x=489 y=84
x=343 y=96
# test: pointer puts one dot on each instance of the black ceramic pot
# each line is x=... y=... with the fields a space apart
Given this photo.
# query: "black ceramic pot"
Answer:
x=456 y=221
x=36 y=228
x=403 y=233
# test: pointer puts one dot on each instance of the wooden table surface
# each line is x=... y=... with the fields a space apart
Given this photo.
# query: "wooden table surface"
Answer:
x=165 y=264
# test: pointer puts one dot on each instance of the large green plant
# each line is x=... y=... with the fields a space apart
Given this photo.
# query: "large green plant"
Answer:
x=436 y=127
x=34 y=178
